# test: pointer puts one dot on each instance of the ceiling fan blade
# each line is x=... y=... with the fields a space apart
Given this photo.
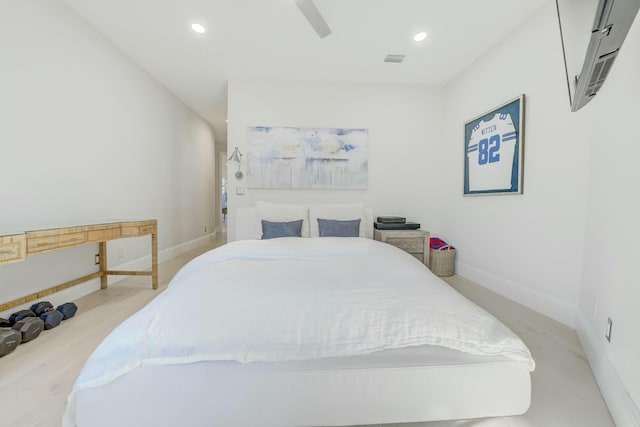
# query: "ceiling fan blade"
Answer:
x=311 y=12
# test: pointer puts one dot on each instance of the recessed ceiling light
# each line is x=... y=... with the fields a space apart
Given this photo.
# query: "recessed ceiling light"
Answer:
x=198 y=28
x=420 y=36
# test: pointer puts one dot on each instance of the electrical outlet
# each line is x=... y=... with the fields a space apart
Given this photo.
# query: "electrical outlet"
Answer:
x=609 y=326
x=96 y=259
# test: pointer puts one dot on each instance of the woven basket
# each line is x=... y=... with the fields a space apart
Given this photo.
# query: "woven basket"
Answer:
x=442 y=262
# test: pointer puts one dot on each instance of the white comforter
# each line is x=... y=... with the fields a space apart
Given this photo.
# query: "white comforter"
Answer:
x=297 y=298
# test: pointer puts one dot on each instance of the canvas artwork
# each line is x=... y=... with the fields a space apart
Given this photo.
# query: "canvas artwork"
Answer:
x=307 y=158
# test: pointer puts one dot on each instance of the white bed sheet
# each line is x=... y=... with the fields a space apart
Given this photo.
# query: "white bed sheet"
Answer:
x=399 y=385
x=297 y=299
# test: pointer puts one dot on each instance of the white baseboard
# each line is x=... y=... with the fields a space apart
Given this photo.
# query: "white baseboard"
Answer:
x=144 y=262
x=548 y=305
x=173 y=252
x=623 y=409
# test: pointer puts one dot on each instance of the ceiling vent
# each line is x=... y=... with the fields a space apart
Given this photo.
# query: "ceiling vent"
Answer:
x=394 y=58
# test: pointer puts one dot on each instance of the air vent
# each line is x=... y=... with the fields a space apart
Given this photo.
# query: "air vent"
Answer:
x=600 y=72
x=394 y=58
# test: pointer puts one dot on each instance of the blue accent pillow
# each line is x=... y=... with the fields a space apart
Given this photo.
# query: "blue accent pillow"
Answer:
x=339 y=228
x=272 y=230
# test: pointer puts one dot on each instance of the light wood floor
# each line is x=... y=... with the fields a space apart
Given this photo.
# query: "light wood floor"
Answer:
x=37 y=377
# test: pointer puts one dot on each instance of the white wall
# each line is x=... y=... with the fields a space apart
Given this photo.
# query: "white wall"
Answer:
x=86 y=135
x=610 y=280
x=404 y=124
x=568 y=246
x=528 y=247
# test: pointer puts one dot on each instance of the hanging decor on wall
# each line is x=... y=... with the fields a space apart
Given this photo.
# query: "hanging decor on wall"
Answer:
x=307 y=158
x=493 y=150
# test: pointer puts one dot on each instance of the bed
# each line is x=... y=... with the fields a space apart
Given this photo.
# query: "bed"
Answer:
x=303 y=331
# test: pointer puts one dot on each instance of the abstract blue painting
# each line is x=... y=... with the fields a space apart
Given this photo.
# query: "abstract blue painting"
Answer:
x=292 y=157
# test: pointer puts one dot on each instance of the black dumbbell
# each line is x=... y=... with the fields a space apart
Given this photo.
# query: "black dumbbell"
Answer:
x=19 y=315
x=68 y=310
x=41 y=307
x=51 y=319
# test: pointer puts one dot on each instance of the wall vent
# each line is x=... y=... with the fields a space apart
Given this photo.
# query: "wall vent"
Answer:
x=600 y=72
x=394 y=58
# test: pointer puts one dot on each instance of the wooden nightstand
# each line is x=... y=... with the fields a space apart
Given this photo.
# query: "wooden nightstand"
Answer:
x=416 y=242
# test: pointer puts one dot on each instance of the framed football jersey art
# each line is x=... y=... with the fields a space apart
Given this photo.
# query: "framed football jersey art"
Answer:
x=493 y=150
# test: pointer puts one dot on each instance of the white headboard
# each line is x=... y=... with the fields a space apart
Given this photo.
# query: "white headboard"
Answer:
x=247 y=223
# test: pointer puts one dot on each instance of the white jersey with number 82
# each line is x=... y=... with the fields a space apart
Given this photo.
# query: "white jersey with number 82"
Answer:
x=490 y=154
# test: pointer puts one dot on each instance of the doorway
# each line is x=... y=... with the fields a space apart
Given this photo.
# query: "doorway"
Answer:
x=222 y=163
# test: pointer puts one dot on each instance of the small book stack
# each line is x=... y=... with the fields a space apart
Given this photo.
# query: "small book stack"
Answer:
x=394 y=223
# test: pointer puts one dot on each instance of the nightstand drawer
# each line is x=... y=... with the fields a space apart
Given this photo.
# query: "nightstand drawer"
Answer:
x=412 y=245
x=419 y=257
x=415 y=242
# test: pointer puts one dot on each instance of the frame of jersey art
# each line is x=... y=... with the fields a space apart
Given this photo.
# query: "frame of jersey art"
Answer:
x=493 y=150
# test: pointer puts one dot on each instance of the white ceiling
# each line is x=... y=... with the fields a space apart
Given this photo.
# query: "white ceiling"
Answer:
x=271 y=40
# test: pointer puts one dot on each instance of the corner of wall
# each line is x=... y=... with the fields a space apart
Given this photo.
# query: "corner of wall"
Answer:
x=623 y=409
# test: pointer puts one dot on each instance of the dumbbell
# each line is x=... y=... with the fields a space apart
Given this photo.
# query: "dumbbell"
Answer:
x=44 y=310
x=29 y=328
x=19 y=315
x=41 y=307
x=51 y=318
x=9 y=340
x=68 y=310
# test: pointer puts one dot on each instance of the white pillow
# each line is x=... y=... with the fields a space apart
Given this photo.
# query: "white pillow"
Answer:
x=280 y=213
x=342 y=211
